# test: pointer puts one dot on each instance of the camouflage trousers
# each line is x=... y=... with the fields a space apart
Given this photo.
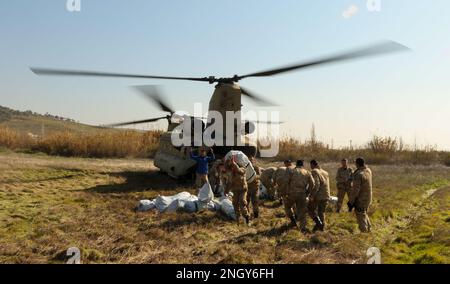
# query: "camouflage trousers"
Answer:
x=363 y=219
x=240 y=203
x=316 y=208
x=342 y=190
x=200 y=179
x=253 y=197
x=295 y=207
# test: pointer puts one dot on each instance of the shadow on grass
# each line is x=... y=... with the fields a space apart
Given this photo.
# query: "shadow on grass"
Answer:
x=271 y=204
x=74 y=173
x=192 y=219
x=141 y=181
x=273 y=232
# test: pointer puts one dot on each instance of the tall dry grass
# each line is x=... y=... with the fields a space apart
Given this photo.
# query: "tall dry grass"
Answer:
x=13 y=140
x=104 y=144
x=119 y=144
x=379 y=150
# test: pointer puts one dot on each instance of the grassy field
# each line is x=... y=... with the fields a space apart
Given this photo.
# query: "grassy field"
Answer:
x=48 y=204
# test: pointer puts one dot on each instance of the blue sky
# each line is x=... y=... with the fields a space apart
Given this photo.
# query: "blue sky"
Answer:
x=402 y=95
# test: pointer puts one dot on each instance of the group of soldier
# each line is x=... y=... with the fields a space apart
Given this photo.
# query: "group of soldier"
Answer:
x=302 y=192
x=307 y=192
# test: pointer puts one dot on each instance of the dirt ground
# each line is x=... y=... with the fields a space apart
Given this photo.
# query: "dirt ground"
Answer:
x=48 y=204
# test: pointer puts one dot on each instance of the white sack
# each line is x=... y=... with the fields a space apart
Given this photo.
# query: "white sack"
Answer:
x=189 y=205
x=243 y=161
x=263 y=194
x=205 y=193
x=333 y=200
x=226 y=206
x=166 y=203
x=146 y=205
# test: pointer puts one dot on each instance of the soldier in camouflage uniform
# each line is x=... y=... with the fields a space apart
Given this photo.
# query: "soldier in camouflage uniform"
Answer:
x=281 y=181
x=236 y=182
x=295 y=206
x=253 y=190
x=343 y=183
x=214 y=176
x=361 y=195
x=319 y=195
x=267 y=181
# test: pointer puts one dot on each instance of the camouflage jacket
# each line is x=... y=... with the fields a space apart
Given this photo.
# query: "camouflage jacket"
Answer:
x=301 y=181
x=281 y=179
x=361 y=193
x=343 y=176
x=267 y=175
x=214 y=174
x=254 y=185
x=321 y=189
x=234 y=179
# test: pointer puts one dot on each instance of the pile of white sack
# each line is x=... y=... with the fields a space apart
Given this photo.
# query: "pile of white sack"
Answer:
x=186 y=202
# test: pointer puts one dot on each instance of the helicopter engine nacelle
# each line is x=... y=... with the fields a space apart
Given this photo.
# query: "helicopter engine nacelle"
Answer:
x=249 y=127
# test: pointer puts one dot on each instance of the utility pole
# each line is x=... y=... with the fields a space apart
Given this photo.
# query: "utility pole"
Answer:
x=313 y=135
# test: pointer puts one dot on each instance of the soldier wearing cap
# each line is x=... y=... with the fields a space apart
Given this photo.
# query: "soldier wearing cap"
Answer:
x=236 y=182
x=281 y=179
x=319 y=195
x=287 y=163
x=343 y=183
x=361 y=194
x=300 y=182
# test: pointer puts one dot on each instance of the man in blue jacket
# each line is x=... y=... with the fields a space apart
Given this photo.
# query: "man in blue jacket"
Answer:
x=202 y=165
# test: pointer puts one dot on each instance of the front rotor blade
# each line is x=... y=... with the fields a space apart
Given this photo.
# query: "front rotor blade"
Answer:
x=151 y=92
x=136 y=122
x=258 y=99
x=377 y=49
x=60 y=72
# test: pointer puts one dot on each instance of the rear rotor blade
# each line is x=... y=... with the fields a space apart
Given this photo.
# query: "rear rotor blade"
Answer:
x=136 y=122
x=258 y=99
x=151 y=92
x=266 y=122
x=62 y=72
x=377 y=49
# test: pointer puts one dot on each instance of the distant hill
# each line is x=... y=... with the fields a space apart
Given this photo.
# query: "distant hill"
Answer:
x=38 y=124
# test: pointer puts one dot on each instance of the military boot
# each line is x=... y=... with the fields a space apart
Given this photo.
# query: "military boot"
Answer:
x=293 y=222
x=247 y=220
x=305 y=230
x=319 y=224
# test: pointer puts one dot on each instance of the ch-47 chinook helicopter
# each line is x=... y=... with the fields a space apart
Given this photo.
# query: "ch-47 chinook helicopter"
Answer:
x=226 y=97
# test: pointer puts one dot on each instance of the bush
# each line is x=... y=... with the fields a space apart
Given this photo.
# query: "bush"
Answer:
x=446 y=159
